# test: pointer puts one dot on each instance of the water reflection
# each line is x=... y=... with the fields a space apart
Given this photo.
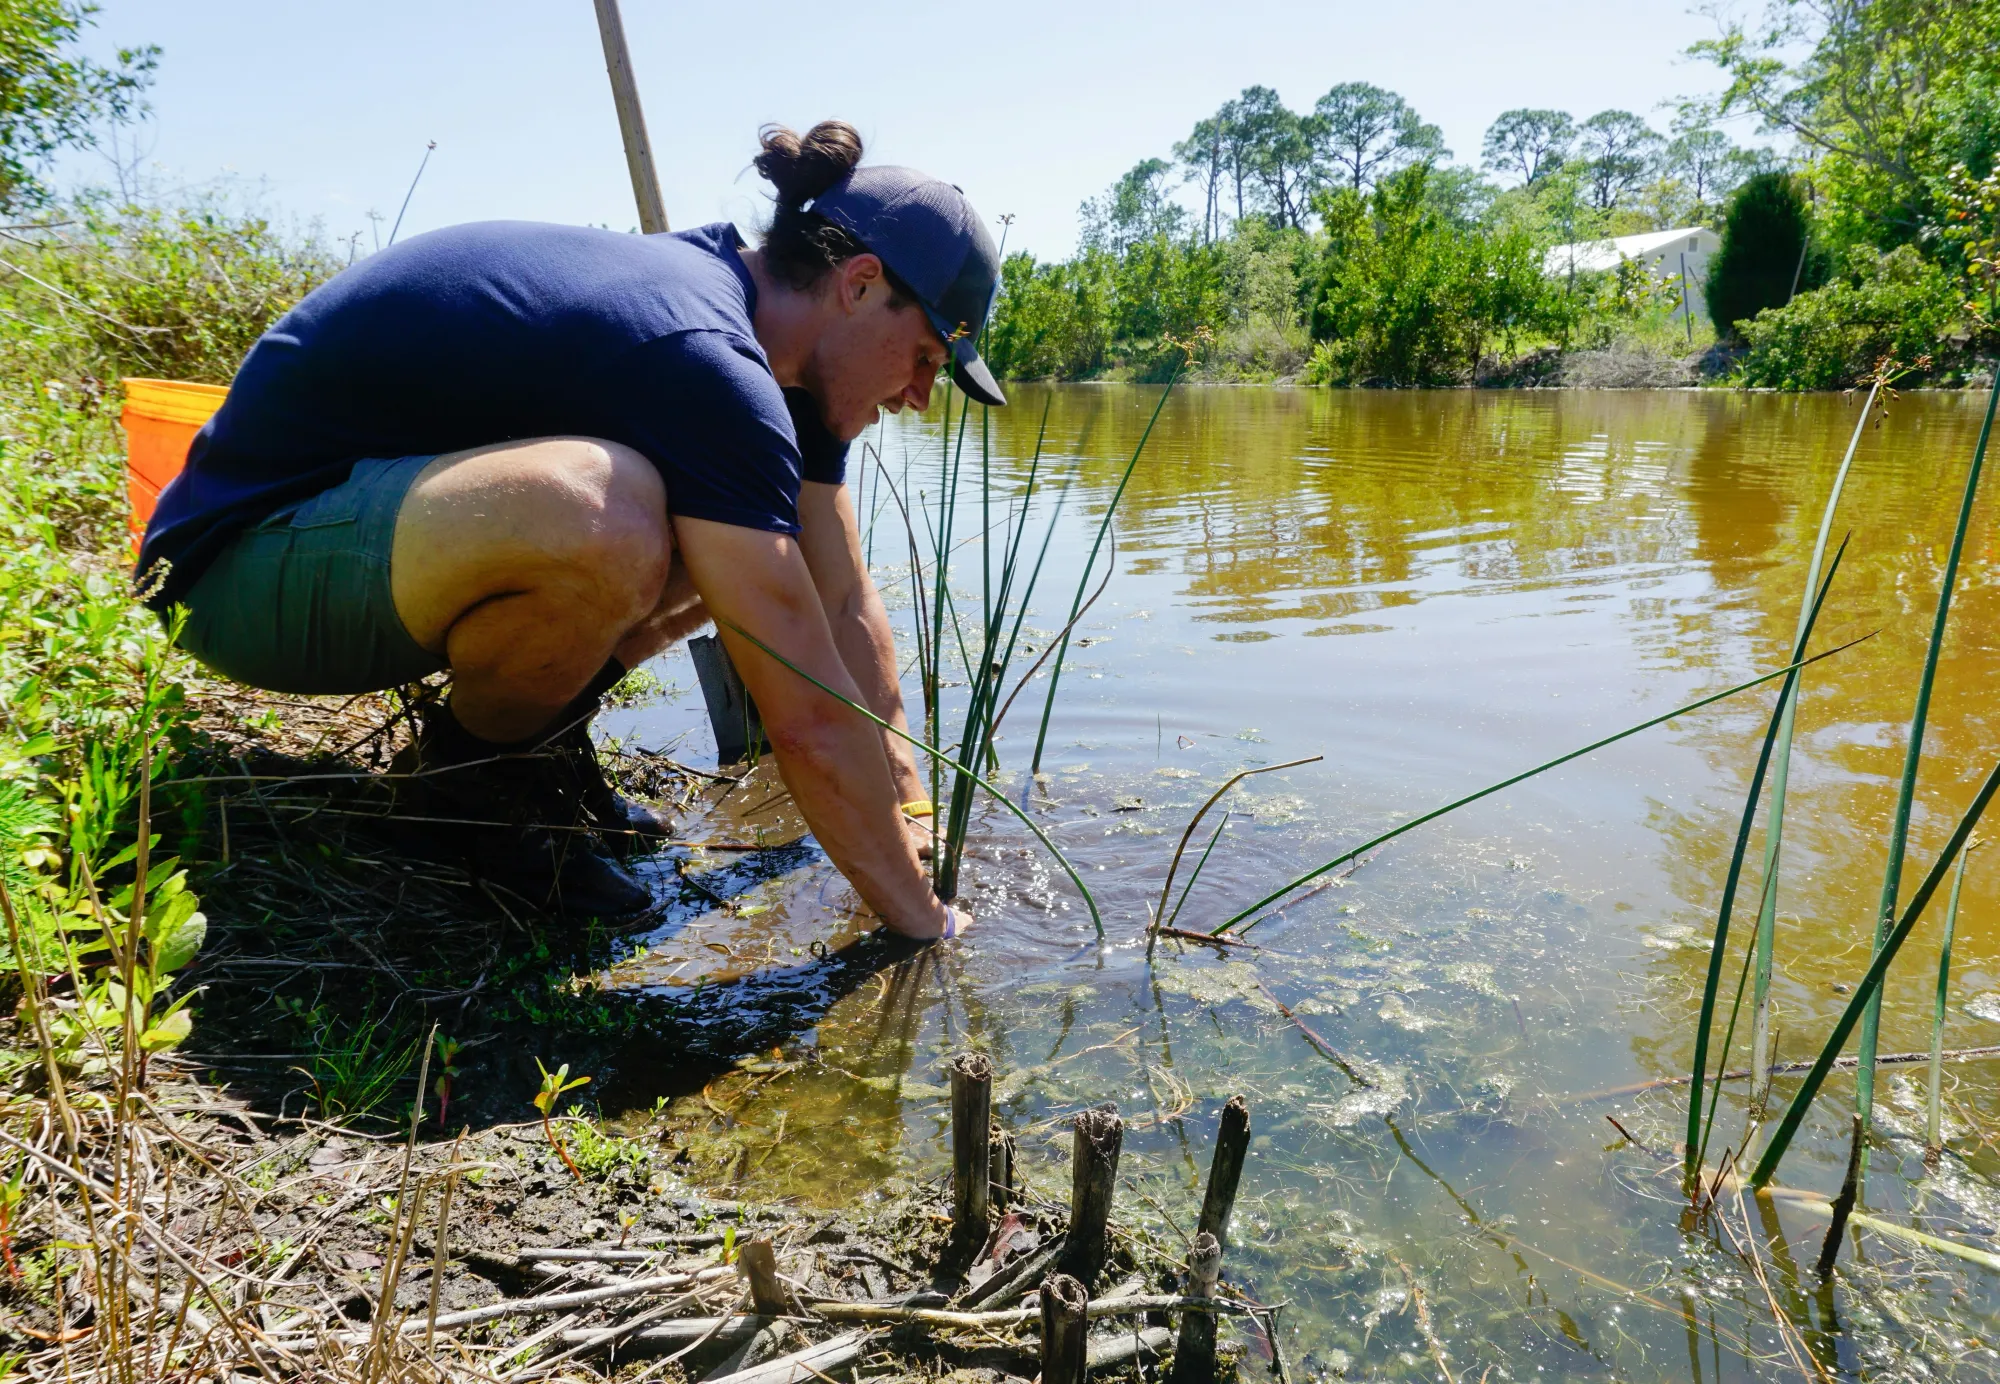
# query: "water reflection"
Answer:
x=1510 y=575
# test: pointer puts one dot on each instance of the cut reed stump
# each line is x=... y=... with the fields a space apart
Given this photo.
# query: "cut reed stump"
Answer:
x=759 y=1263
x=1065 y=1308
x=1194 y=1352
x=1100 y=1135
x=1232 y=1145
x=971 y=1146
x=1000 y=1169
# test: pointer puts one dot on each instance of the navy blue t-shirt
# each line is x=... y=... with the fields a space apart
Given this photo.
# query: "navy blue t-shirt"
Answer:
x=499 y=330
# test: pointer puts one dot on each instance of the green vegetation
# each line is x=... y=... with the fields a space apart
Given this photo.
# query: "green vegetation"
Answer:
x=1761 y=262
x=1344 y=246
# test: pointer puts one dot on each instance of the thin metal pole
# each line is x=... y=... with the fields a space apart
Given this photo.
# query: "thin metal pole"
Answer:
x=631 y=119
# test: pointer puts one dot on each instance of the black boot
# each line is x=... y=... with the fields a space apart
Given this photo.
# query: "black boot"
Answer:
x=513 y=814
x=624 y=821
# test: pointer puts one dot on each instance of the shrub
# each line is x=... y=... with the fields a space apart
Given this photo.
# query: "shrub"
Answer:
x=1763 y=232
x=1895 y=305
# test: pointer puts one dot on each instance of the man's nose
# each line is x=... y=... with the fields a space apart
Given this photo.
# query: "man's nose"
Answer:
x=918 y=395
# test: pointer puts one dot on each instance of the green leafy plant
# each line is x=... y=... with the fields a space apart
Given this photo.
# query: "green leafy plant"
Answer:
x=448 y=1072
x=554 y=1086
x=11 y=1193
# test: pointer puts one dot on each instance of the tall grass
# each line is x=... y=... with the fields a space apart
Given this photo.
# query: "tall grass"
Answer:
x=1865 y=1008
x=1781 y=773
x=1933 y=1098
x=1899 y=825
x=1697 y=1132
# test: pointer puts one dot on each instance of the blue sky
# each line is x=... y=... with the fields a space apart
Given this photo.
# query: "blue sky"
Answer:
x=322 y=112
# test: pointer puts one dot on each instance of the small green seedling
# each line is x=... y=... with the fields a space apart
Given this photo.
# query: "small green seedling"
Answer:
x=447 y=1053
x=554 y=1085
x=11 y=1192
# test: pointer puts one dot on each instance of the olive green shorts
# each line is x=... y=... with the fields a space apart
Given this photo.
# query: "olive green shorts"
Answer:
x=300 y=602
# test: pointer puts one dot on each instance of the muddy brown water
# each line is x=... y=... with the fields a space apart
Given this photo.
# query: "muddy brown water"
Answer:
x=1432 y=590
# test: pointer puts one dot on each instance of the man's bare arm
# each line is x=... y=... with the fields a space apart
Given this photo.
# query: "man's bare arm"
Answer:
x=831 y=757
x=831 y=543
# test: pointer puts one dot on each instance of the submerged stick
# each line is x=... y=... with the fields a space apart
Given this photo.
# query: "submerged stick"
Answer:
x=1194 y=1354
x=1100 y=1135
x=1232 y=1144
x=971 y=1145
x=890 y=1314
x=1843 y=1205
x=1065 y=1357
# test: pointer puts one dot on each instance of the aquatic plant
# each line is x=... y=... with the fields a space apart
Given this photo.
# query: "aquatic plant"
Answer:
x=1899 y=825
x=1781 y=766
x=1697 y=1134
x=1865 y=1008
x=1933 y=1113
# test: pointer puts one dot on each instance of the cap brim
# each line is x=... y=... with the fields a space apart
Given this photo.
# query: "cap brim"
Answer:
x=972 y=376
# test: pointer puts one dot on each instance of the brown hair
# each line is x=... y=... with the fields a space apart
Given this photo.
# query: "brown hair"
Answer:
x=801 y=247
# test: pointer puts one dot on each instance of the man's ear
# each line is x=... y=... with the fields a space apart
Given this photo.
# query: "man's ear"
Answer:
x=860 y=277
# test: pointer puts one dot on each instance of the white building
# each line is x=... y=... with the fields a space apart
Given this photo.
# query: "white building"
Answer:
x=1663 y=254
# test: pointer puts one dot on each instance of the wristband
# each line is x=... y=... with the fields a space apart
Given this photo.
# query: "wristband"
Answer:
x=918 y=807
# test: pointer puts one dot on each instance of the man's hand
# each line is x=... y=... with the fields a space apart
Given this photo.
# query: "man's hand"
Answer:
x=832 y=758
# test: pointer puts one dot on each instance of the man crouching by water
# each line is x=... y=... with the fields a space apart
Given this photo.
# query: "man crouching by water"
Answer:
x=537 y=455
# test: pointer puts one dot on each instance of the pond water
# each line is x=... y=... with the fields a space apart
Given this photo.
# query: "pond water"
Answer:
x=1433 y=591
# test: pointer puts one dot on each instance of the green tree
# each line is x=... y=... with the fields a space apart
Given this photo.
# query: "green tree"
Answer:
x=1203 y=160
x=1884 y=98
x=1365 y=132
x=1763 y=244
x=1532 y=143
x=1138 y=207
x=51 y=97
x=1618 y=150
x=1279 y=150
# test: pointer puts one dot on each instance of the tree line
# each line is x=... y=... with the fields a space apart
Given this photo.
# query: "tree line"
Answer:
x=1345 y=243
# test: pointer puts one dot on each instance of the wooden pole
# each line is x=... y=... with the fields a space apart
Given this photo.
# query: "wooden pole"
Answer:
x=1065 y=1353
x=971 y=1145
x=631 y=119
x=1194 y=1353
x=1232 y=1144
x=1100 y=1134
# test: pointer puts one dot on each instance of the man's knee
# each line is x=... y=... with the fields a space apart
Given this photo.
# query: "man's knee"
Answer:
x=606 y=514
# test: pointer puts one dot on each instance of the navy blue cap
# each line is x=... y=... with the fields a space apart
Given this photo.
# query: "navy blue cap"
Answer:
x=928 y=235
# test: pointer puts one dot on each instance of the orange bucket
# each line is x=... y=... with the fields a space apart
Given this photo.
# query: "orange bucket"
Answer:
x=161 y=418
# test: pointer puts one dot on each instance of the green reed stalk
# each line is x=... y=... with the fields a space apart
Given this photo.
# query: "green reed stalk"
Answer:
x=1488 y=791
x=1866 y=993
x=939 y=756
x=1899 y=828
x=1083 y=581
x=1181 y=902
x=987 y=676
x=1696 y=1140
x=1933 y=1112
x=1722 y=1064
x=1781 y=773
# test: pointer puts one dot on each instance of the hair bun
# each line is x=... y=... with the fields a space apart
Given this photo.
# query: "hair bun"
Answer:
x=801 y=167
